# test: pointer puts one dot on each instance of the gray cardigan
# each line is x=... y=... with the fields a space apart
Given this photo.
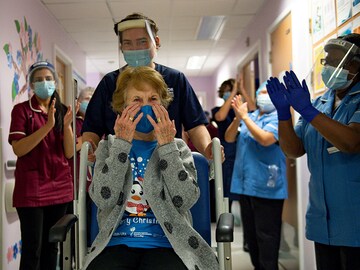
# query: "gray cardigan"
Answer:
x=170 y=188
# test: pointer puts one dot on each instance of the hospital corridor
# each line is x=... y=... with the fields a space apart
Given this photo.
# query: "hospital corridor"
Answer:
x=180 y=134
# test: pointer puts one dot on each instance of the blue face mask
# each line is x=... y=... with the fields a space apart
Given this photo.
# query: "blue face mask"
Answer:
x=144 y=124
x=44 y=89
x=83 y=106
x=137 y=58
x=264 y=103
x=338 y=81
x=226 y=96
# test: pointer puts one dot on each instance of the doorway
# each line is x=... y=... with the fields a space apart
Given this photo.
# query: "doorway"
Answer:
x=63 y=66
x=280 y=61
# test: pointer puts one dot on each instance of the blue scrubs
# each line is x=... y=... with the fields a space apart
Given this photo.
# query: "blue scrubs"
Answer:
x=185 y=108
x=333 y=215
x=255 y=164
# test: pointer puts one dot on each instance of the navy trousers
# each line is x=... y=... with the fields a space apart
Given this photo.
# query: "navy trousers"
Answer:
x=262 y=220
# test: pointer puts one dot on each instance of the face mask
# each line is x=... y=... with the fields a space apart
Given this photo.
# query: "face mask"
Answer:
x=83 y=106
x=44 y=89
x=144 y=124
x=264 y=103
x=226 y=96
x=138 y=58
x=338 y=81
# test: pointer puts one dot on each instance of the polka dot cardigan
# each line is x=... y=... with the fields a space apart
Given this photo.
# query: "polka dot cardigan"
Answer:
x=171 y=189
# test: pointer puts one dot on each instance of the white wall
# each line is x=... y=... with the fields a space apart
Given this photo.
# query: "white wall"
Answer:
x=51 y=35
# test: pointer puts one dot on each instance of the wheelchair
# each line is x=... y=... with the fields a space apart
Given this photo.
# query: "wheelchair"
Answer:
x=61 y=231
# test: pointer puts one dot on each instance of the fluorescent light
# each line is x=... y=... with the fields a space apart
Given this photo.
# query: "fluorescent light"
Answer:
x=210 y=27
x=195 y=62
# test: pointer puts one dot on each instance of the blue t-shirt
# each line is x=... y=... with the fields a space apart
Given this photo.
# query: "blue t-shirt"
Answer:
x=139 y=226
x=185 y=108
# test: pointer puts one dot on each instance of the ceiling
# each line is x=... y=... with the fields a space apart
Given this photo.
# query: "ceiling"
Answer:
x=90 y=25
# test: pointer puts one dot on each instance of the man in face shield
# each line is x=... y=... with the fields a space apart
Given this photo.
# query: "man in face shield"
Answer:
x=328 y=131
x=139 y=42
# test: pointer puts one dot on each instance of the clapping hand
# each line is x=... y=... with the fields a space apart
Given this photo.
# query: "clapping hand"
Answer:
x=240 y=108
x=299 y=97
x=276 y=91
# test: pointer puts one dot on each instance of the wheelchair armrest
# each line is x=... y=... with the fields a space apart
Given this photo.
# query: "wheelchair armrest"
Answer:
x=225 y=228
x=59 y=230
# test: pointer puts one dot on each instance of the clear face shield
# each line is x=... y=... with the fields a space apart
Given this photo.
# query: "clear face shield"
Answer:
x=331 y=67
x=135 y=52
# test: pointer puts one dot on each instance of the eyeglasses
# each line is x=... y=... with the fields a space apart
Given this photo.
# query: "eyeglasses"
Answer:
x=334 y=62
x=330 y=62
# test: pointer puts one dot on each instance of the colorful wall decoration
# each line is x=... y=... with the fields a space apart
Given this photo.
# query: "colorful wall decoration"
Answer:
x=20 y=59
x=14 y=252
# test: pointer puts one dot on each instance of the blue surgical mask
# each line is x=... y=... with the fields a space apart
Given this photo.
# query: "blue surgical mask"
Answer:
x=44 y=89
x=264 y=103
x=144 y=124
x=338 y=81
x=137 y=58
x=83 y=106
x=226 y=96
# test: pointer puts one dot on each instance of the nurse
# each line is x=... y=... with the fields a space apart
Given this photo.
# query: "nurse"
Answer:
x=41 y=137
x=259 y=176
x=328 y=131
x=139 y=43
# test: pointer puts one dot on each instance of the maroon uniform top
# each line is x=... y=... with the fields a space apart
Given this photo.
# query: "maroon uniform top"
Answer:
x=42 y=177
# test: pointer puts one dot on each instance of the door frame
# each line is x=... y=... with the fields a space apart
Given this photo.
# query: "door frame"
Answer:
x=271 y=29
x=69 y=93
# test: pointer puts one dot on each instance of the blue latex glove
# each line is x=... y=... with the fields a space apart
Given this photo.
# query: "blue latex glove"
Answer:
x=299 y=97
x=276 y=92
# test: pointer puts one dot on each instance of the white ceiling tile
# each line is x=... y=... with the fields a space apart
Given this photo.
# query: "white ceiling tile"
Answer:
x=79 y=10
x=90 y=24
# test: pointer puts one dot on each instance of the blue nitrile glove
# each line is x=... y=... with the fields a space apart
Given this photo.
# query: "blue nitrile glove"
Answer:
x=276 y=92
x=299 y=97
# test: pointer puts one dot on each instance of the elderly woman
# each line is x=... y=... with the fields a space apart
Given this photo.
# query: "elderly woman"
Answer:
x=144 y=185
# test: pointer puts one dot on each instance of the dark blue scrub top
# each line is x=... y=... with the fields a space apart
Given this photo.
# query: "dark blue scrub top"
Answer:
x=185 y=108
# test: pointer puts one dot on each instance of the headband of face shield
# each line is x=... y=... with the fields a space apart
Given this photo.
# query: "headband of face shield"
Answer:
x=333 y=74
x=141 y=57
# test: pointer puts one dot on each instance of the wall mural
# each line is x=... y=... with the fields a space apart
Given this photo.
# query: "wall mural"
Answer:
x=14 y=252
x=22 y=58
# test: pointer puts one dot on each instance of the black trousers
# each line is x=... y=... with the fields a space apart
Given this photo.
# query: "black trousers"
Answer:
x=262 y=220
x=122 y=257
x=35 y=222
x=337 y=257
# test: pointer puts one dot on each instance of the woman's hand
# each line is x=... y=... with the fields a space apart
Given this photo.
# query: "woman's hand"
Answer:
x=51 y=115
x=240 y=108
x=164 y=128
x=68 y=117
x=125 y=123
